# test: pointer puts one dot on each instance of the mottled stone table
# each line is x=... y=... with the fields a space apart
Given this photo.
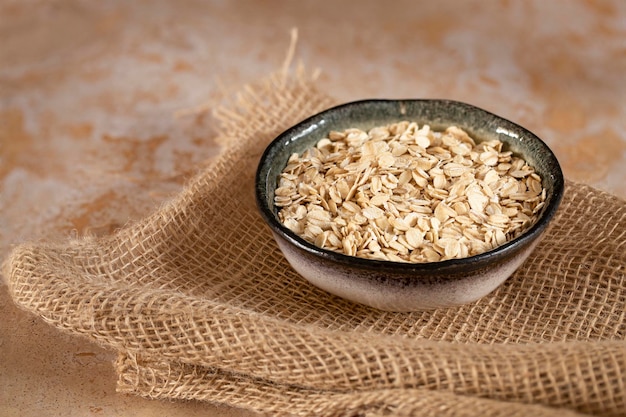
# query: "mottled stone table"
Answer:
x=89 y=139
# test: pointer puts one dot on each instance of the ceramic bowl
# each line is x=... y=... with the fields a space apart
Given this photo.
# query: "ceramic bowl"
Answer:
x=396 y=286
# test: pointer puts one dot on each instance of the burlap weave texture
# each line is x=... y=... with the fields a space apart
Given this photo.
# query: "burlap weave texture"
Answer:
x=200 y=304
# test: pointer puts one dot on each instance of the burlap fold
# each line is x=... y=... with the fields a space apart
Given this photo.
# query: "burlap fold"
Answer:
x=200 y=304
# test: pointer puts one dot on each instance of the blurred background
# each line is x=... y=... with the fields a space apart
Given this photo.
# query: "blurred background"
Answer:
x=91 y=132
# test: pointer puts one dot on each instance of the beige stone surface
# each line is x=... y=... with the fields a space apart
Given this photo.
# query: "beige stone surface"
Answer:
x=90 y=140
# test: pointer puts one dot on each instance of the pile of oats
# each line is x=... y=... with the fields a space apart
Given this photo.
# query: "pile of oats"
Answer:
x=406 y=193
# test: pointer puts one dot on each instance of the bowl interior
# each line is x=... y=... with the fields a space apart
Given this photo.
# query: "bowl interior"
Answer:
x=439 y=114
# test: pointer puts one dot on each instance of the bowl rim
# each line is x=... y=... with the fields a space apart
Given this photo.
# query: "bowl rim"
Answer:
x=505 y=250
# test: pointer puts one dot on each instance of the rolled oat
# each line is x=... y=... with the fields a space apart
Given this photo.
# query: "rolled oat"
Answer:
x=406 y=193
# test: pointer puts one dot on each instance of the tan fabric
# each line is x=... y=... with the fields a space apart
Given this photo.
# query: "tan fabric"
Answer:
x=200 y=304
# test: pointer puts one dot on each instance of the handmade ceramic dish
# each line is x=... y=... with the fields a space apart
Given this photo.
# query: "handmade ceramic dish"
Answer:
x=397 y=286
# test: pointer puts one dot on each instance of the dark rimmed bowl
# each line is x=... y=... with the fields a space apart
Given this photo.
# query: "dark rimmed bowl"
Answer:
x=395 y=286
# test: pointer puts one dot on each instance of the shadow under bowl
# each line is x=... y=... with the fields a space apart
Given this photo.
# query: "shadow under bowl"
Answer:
x=396 y=286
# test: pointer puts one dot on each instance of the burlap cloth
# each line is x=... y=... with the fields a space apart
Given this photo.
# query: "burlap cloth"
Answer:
x=200 y=304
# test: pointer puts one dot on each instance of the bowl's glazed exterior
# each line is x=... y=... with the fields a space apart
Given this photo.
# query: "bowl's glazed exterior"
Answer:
x=398 y=286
